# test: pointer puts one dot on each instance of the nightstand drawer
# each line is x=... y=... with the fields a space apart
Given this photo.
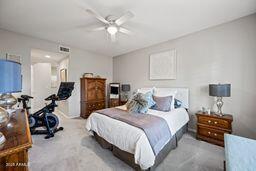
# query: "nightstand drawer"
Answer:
x=211 y=133
x=221 y=123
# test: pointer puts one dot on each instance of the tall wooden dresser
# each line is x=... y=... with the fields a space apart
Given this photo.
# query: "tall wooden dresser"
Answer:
x=93 y=95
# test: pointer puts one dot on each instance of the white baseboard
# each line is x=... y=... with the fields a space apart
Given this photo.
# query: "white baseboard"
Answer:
x=63 y=114
x=192 y=130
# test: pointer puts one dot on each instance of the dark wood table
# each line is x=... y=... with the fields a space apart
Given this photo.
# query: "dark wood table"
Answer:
x=14 y=152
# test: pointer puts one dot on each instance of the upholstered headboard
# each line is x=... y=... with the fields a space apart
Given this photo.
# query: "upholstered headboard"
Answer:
x=182 y=94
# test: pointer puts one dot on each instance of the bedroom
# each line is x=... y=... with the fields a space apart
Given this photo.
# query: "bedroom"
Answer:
x=207 y=42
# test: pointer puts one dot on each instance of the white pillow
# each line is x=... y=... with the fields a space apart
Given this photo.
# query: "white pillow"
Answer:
x=163 y=93
x=145 y=90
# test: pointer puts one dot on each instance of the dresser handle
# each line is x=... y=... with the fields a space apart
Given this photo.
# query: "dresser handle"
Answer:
x=215 y=135
x=209 y=133
x=215 y=122
x=209 y=121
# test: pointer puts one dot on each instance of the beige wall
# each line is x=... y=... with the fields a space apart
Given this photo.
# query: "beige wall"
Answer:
x=80 y=61
x=222 y=54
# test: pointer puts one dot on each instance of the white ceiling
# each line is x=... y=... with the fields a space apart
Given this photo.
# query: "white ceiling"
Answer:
x=155 y=21
x=38 y=56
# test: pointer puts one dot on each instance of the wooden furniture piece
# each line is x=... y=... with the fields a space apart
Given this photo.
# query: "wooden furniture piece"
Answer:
x=211 y=128
x=14 y=152
x=123 y=102
x=93 y=95
x=114 y=94
x=114 y=102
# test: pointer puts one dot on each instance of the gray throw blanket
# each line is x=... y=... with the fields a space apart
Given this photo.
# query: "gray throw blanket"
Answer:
x=155 y=128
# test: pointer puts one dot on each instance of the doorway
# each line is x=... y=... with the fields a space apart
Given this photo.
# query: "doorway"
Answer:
x=45 y=77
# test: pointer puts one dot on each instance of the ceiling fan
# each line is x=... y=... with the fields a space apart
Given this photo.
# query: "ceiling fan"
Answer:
x=112 y=25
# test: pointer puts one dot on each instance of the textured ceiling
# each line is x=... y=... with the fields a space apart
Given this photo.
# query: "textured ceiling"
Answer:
x=155 y=21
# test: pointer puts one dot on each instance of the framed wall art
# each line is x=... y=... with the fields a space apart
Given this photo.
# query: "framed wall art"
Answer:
x=163 y=65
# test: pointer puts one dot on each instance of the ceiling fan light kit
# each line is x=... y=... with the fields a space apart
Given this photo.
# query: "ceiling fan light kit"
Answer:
x=112 y=29
x=112 y=26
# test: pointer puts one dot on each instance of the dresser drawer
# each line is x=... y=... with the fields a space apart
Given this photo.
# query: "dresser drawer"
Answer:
x=96 y=105
x=100 y=105
x=89 y=107
x=211 y=133
x=220 y=123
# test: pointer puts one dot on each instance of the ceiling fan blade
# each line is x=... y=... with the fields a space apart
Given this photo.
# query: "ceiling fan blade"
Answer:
x=113 y=37
x=125 y=31
x=97 y=29
x=102 y=19
x=124 y=18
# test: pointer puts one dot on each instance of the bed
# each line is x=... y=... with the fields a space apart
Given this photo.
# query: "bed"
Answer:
x=130 y=143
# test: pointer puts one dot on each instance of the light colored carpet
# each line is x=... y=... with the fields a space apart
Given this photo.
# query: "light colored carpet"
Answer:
x=74 y=150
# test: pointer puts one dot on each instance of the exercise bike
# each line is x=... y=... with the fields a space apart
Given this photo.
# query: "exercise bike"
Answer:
x=45 y=117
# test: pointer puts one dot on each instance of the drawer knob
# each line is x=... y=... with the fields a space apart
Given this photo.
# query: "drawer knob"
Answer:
x=215 y=122
x=215 y=135
x=209 y=132
x=209 y=121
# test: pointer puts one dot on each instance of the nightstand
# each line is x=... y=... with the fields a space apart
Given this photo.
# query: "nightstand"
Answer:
x=114 y=102
x=123 y=102
x=212 y=127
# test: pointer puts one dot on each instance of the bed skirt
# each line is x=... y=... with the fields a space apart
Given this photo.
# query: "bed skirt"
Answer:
x=128 y=158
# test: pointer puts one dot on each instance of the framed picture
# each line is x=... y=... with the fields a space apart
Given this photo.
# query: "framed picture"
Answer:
x=163 y=65
x=11 y=57
x=63 y=75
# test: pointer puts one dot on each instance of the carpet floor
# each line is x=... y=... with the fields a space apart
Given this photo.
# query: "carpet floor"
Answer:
x=74 y=150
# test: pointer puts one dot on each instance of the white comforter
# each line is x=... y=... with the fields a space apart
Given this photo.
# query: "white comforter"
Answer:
x=132 y=139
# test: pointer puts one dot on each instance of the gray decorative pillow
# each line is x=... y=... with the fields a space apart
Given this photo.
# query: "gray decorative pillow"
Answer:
x=138 y=104
x=162 y=103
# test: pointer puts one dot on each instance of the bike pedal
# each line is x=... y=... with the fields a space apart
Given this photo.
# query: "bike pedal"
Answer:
x=49 y=136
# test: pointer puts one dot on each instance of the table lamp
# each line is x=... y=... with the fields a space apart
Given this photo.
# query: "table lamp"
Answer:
x=10 y=82
x=219 y=91
x=126 y=88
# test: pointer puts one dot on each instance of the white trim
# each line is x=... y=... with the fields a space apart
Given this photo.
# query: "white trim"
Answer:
x=69 y=117
x=192 y=130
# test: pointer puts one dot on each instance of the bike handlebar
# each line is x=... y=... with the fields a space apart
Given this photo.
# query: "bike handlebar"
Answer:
x=52 y=97
x=24 y=97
